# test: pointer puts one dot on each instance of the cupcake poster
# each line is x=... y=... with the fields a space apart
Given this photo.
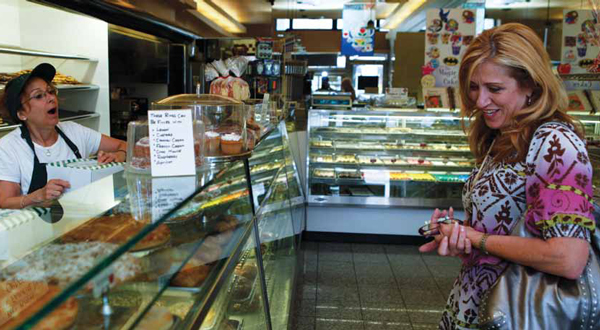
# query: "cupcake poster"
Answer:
x=448 y=33
x=580 y=42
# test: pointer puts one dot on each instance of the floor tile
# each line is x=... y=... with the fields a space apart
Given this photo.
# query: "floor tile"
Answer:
x=425 y=316
x=333 y=324
x=305 y=308
x=384 y=325
x=337 y=294
x=385 y=281
x=365 y=269
x=377 y=311
x=420 y=283
x=425 y=326
x=380 y=294
x=402 y=249
x=368 y=248
x=339 y=309
x=406 y=260
x=307 y=291
x=336 y=267
x=337 y=257
x=303 y=323
x=335 y=247
x=368 y=258
x=410 y=272
x=431 y=299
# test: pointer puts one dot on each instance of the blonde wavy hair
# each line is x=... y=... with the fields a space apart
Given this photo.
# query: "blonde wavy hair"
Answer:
x=517 y=48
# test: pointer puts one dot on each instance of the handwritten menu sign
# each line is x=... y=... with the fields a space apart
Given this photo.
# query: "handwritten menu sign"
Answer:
x=171 y=142
x=167 y=193
x=16 y=296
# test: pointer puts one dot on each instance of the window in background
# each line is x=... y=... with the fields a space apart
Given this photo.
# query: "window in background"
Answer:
x=282 y=24
x=339 y=23
x=312 y=24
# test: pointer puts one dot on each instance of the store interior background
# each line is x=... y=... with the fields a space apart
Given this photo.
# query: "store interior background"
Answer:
x=142 y=51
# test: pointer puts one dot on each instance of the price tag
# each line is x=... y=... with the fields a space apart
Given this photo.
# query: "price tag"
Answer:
x=376 y=177
x=171 y=142
x=397 y=92
x=102 y=281
x=168 y=193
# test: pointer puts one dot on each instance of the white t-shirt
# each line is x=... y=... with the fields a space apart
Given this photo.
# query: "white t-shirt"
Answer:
x=16 y=157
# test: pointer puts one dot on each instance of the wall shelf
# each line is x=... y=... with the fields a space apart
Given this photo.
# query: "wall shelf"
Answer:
x=4 y=49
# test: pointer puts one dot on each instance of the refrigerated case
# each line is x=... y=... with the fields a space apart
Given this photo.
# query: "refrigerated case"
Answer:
x=382 y=171
x=131 y=251
x=386 y=158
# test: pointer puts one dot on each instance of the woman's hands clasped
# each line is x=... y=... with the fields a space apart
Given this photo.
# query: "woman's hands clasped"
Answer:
x=452 y=238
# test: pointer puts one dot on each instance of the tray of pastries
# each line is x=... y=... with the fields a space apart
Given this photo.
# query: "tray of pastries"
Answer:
x=324 y=173
x=322 y=144
x=118 y=229
x=349 y=174
x=369 y=160
x=322 y=158
x=345 y=159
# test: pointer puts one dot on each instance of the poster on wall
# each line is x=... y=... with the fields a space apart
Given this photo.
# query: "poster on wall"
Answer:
x=580 y=43
x=357 y=39
x=448 y=34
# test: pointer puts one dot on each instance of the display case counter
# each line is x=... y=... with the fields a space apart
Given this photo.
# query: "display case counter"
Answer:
x=386 y=158
x=404 y=162
x=212 y=251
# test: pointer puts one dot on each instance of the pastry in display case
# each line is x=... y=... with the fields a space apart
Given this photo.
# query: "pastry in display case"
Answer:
x=146 y=261
x=224 y=119
x=414 y=158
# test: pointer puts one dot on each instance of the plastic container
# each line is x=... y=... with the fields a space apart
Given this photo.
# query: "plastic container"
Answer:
x=224 y=121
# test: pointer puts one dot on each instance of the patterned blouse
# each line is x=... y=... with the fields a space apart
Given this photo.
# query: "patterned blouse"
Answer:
x=557 y=178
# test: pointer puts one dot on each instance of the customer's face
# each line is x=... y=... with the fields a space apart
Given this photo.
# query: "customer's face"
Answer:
x=497 y=94
x=40 y=104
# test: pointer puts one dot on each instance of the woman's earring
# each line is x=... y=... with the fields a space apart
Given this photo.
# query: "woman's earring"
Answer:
x=528 y=100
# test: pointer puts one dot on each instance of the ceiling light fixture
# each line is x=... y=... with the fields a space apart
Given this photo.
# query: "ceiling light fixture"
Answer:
x=218 y=19
x=402 y=12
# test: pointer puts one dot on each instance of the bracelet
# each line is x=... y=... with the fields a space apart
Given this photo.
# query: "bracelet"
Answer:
x=482 y=244
x=123 y=151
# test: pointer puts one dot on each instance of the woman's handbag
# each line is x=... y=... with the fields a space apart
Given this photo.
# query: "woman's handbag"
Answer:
x=524 y=298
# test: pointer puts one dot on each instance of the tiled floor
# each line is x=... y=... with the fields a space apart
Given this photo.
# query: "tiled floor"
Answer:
x=370 y=286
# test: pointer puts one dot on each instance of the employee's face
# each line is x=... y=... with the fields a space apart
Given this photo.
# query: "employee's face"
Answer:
x=40 y=104
x=497 y=94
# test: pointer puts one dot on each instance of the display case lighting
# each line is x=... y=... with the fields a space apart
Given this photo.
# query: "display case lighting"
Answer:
x=367 y=58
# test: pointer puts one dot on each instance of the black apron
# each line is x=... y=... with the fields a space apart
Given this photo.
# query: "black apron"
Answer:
x=39 y=177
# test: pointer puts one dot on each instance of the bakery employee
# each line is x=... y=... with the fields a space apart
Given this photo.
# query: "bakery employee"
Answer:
x=31 y=100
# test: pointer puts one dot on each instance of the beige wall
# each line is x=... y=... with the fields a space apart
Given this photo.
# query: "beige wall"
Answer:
x=409 y=50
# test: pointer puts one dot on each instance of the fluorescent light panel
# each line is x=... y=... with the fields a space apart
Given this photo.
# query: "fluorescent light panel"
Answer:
x=402 y=13
x=219 y=17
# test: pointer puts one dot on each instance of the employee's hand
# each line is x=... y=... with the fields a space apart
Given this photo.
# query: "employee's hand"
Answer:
x=53 y=190
x=108 y=157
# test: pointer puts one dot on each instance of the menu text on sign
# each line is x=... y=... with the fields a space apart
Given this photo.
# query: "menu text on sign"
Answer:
x=171 y=142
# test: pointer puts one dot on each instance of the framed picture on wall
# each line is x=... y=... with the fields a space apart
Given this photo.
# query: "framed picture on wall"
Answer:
x=578 y=102
x=436 y=97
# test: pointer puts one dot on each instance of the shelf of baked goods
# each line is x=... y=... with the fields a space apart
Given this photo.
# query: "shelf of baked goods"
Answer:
x=14 y=50
x=390 y=147
x=394 y=161
x=114 y=246
x=367 y=176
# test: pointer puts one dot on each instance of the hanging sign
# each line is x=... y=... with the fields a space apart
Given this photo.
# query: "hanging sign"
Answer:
x=357 y=39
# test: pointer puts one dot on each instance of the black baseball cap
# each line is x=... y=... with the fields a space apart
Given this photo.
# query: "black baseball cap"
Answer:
x=15 y=86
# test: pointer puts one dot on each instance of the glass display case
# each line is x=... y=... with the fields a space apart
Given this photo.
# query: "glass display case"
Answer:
x=386 y=158
x=404 y=157
x=211 y=251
